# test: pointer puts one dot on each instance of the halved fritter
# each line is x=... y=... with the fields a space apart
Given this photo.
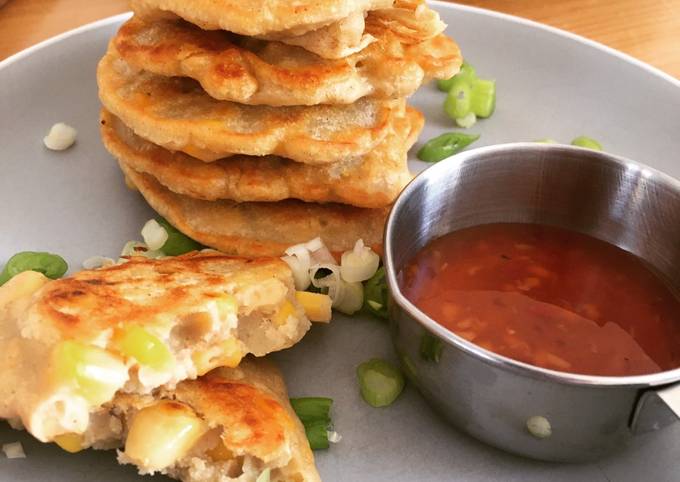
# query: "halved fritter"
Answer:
x=255 y=72
x=262 y=229
x=330 y=28
x=372 y=181
x=229 y=425
x=175 y=113
x=69 y=345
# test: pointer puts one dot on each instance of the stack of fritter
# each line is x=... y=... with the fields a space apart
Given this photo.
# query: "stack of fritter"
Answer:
x=253 y=126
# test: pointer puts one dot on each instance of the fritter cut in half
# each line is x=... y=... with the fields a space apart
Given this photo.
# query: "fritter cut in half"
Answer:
x=69 y=345
x=255 y=72
x=261 y=229
x=372 y=181
x=229 y=425
x=175 y=113
x=329 y=28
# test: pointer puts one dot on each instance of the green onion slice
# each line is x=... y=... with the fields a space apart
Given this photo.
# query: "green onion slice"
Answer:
x=317 y=434
x=467 y=72
x=380 y=382
x=51 y=265
x=375 y=294
x=587 y=142
x=430 y=348
x=445 y=145
x=483 y=98
x=459 y=99
x=312 y=408
x=314 y=413
x=177 y=243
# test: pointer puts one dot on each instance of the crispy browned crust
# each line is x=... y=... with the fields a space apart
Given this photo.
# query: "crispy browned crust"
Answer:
x=259 y=17
x=262 y=229
x=176 y=113
x=83 y=305
x=373 y=181
x=255 y=72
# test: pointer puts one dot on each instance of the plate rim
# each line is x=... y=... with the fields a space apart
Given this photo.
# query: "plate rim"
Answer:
x=565 y=34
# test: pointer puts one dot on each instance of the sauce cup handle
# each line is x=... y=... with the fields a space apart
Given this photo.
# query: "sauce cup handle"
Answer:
x=656 y=408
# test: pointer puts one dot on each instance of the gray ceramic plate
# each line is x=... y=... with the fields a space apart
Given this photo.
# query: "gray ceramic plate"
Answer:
x=551 y=84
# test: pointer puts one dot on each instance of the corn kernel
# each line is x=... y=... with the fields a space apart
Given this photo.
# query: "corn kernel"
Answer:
x=285 y=310
x=71 y=442
x=147 y=349
x=94 y=373
x=226 y=354
x=163 y=433
x=317 y=306
x=23 y=284
x=226 y=306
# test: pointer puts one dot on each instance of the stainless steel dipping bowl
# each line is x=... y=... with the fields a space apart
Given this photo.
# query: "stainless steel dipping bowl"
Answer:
x=489 y=396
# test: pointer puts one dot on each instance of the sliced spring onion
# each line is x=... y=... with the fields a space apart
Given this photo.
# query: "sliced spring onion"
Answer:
x=380 y=382
x=317 y=434
x=139 y=248
x=334 y=437
x=546 y=140
x=430 y=348
x=483 y=98
x=359 y=264
x=375 y=294
x=312 y=408
x=467 y=121
x=352 y=298
x=51 y=265
x=459 y=99
x=314 y=413
x=299 y=265
x=155 y=235
x=466 y=71
x=587 y=142
x=177 y=243
x=445 y=145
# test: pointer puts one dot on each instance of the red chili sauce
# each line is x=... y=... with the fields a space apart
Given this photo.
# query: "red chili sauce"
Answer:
x=549 y=297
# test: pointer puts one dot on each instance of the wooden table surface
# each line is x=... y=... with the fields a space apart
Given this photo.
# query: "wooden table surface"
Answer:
x=646 y=29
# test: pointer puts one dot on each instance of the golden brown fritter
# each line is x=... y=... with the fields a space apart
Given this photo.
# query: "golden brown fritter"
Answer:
x=176 y=113
x=262 y=229
x=330 y=28
x=257 y=72
x=371 y=181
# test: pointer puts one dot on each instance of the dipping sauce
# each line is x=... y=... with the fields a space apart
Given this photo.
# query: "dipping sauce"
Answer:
x=549 y=297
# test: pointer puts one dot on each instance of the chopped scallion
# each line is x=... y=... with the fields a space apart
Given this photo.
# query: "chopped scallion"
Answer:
x=177 y=242
x=467 y=71
x=312 y=408
x=51 y=265
x=314 y=413
x=445 y=145
x=380 y=382
x=483 y=98
x=431 y=348
x=375 y=294
x=459 y=99
x=587 y=142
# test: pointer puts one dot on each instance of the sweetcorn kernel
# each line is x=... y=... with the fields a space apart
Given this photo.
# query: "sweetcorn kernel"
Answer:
x=163 y=433
x=226 y=354
x=285 y=311
x=317 y=306
x=71 y=442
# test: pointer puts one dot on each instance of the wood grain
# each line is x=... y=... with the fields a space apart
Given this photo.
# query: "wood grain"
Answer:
x=646 y=29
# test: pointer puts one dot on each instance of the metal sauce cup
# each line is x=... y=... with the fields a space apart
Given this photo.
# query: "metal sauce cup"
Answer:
x=490 y=396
